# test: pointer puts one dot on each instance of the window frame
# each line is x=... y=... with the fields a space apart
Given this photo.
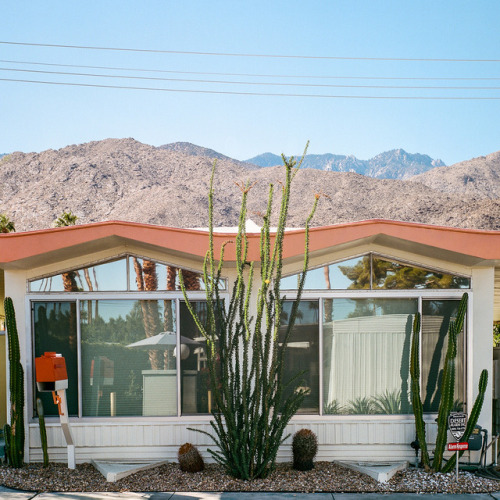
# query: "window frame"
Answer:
x=420 y=295
x=77 y=297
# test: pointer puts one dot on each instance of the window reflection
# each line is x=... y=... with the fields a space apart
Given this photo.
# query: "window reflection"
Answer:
x=147 y=275
x=331 y=277
x=54 y=330
x=367 y=272
x=196 y=396
x=436 y=318
x=110 y=276
x=128 y=358
x=302 y=352
x=395 y=275
x=366 y=352
x=143 y=275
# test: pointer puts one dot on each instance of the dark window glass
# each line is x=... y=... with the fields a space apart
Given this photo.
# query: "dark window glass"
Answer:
x=196 y=396
x=302 y=352
x=54 y=329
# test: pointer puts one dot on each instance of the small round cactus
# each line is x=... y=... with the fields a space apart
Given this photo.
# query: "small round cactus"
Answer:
x=304 y=448
x=190 y=459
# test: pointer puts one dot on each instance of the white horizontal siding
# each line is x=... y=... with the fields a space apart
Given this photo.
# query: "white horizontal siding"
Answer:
x=356 y=440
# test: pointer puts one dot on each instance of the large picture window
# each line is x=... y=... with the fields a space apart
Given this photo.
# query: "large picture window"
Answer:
x=132 y=348
x=366 y=352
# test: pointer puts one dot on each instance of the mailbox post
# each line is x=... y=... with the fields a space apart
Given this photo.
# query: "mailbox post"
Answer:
x=51 y=376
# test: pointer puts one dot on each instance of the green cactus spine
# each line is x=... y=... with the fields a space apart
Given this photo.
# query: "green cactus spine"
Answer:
x=473 y=418
x=415 y=392
x=15 y=437
x=448 y=384
x=43 y=431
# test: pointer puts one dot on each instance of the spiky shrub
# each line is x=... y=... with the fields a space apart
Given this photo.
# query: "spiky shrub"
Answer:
x=447 y=401
x=43 y=431
x=304 y=449
x=333 y=408
x=389 y=402
x=360 y=406
x=252 y=401
x=14 y=433
x=190 y=459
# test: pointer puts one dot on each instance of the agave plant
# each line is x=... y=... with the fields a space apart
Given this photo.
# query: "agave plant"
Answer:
x=333 y=408
x=389 y=402
x=360 y=406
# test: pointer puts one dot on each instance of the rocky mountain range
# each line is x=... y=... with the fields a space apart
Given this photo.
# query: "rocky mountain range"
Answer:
x=123 y=179
x=395 y=164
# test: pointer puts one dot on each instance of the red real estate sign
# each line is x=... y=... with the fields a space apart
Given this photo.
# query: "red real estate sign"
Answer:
x=458 y=446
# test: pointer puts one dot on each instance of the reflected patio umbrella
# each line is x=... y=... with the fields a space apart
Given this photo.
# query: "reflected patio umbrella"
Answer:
x=163 y=340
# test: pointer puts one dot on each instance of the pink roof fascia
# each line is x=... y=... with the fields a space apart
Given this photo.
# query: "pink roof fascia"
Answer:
x=477 y=243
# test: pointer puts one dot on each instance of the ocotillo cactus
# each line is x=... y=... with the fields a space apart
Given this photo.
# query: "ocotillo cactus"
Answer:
x=14 y=434
x=43 y=431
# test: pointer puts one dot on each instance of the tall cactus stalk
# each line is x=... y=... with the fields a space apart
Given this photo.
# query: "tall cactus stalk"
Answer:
x=43 y=431
x=472 y=421
x=245 y=355
x=14 y=433
x=448 y=384
x=415 y=392
x=447 y=393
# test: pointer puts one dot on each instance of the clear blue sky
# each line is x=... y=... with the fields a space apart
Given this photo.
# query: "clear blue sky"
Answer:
x=36 y=117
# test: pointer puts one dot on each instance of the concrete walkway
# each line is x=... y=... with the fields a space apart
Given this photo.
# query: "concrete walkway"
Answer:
x=8 y=494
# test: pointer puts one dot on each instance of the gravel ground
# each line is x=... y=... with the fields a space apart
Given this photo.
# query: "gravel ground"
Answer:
x=326 y=476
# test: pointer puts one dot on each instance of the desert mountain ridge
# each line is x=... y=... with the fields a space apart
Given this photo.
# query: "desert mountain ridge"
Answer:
x=394 y=164
x=123 y=179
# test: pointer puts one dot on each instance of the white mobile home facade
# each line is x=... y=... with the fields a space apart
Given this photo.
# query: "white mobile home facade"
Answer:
x=99 y=293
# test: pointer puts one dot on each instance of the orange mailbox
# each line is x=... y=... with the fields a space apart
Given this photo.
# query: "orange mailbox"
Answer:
x=51 y=374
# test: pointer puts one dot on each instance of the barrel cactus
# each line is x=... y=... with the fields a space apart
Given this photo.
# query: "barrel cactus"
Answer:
x=190 y=459
x=304 y=448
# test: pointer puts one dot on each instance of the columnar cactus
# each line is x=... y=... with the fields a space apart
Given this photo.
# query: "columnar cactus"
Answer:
x=472 y=421
x=43 y=431
x=14 y=434
x=447 y=393
x=448 y=384
x=415 y=392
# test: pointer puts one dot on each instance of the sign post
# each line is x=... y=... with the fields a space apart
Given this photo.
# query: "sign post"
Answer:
x=457 y=422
